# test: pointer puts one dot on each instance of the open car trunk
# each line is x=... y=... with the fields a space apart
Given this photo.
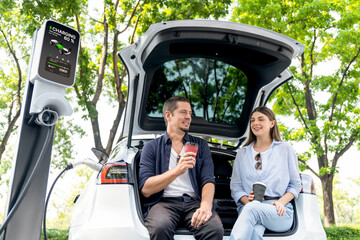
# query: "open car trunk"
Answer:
x=225 y=69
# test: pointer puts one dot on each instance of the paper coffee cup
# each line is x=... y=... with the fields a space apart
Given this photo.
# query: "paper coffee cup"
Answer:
x=191 y=147
x=259 y=191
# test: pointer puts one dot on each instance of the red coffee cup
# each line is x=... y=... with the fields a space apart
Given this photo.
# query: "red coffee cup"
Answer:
x=191 y=147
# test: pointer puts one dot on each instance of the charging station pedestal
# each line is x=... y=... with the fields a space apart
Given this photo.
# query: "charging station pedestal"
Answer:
x=51 y=70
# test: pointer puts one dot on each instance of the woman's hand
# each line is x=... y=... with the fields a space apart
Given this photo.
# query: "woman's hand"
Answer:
x=280 y=208
x=251 y=196
x=246 y=199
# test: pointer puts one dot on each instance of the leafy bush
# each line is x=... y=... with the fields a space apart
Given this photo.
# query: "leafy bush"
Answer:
x=56 y=234
x=343 y=233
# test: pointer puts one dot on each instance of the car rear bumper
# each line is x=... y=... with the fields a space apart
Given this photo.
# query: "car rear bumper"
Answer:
x=93 y=220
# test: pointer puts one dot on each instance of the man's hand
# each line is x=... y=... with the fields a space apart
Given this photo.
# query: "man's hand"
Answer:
x=186 y=161
x=280 y=208
x=201 y=216
x=204 y=213
x=157 y=183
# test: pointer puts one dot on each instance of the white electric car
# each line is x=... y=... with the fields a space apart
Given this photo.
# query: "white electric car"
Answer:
x=226 y=70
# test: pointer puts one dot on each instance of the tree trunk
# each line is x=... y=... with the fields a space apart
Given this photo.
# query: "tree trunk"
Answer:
x=327 y=187
x=96 y=132
x=99 y=87
x=115 y=126
x=9 y=130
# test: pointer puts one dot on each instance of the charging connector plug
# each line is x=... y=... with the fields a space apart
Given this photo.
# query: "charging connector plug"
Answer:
x=88 y=162
x=47 y=117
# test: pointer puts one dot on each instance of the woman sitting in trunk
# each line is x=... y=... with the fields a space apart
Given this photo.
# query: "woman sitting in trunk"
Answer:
x=265 y=158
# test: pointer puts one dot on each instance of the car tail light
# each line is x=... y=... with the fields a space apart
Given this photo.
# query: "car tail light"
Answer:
x=114 y=173
x=308 y=184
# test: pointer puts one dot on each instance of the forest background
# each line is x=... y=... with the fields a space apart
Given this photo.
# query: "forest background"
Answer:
x=318 y=110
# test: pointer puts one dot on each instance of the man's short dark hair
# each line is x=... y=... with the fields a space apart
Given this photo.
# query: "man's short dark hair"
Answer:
x=171 y=105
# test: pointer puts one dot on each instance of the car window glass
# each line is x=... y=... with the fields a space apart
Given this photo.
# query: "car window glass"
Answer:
x=215 y=89
x=114 y=152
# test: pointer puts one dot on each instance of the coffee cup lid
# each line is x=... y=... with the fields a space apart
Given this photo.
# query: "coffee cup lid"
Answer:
x=261 y=183
x=192 y=143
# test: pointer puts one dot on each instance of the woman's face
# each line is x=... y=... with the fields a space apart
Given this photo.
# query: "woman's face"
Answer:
x=260 y=124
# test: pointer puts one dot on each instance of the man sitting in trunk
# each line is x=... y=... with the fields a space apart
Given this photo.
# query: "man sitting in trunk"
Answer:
x=178 y=186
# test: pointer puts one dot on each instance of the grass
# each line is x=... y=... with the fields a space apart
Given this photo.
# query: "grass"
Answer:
x=343 y=232
x=56 y=234
x=332 y=233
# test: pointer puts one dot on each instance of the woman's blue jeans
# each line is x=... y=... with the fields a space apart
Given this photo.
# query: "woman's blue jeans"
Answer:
x=255 y=217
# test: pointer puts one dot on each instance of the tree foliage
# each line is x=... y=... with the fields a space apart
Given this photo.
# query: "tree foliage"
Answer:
x=324 y=103
x=346 y=200
x=63 y=204
x=100 y=73
x=14 y=49
x=18 y=23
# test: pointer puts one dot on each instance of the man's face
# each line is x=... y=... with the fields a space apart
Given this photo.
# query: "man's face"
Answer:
x=180 y=119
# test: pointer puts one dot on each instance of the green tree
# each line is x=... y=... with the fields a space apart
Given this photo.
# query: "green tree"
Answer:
x=347 y=201
x=100 y=73
x=13 y=47
x=346 y=196
x=17 y=25
x=325 y=104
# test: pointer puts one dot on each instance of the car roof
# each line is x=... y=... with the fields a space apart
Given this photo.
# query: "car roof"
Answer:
x=263 y=55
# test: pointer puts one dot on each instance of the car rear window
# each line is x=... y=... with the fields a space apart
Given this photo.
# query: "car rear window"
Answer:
x=215 y=89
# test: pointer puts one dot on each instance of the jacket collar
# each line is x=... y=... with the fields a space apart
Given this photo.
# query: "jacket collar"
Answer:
x=275 y=142
x=168 y=140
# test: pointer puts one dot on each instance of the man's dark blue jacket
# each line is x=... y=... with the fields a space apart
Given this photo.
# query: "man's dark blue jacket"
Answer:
x=155 y=159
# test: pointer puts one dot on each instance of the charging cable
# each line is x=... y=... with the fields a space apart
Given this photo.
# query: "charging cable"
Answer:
x=47 y=199
x=31 y=178
x=88 y=162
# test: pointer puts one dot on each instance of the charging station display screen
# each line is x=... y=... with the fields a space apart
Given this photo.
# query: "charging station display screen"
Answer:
x=59 y=53
x=57 y=66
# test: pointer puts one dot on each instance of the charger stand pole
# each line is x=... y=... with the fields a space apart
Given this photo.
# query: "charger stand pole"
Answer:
x=26 y=223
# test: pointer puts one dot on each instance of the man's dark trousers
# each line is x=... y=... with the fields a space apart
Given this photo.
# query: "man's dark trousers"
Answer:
x=164 y=217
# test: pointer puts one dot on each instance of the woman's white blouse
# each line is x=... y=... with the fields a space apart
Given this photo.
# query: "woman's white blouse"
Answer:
x=280 y=171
